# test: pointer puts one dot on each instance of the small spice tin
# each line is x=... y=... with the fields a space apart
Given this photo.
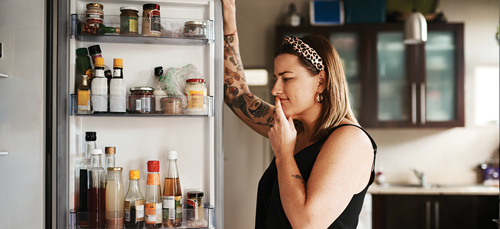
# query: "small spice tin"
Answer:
x=142 y=100
x=195 y=29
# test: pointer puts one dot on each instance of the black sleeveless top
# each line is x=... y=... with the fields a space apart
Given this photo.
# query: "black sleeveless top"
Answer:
x=270 y=213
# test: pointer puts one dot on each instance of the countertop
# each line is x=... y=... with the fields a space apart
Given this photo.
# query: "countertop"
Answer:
x=445 y=190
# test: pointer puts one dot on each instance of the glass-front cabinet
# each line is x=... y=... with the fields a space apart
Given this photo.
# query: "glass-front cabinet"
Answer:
x=395 y=85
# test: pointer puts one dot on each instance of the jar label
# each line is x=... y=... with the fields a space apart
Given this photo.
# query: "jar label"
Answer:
x=84 y=100
x=129 y=24
x=154 y=21
x=139 y=210
x=153 y=179
x=172 y=207
x=150 y=213
x=195 y=100
x=159 y=213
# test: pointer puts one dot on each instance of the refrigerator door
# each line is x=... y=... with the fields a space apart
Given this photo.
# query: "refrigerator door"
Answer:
x=22 y=114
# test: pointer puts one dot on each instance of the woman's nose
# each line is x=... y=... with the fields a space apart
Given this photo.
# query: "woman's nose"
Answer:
x=276 y=89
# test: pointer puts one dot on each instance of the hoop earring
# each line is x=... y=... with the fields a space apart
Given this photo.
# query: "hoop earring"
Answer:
x=319 y=97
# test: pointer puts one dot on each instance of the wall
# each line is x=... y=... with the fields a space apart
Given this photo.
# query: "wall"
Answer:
x=445 y=155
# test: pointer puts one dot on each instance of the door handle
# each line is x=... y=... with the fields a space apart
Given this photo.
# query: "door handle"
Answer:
x=428 y=214
x=422 y=103
x=413 y=103
x=4 y=75
x=3 y=153
x=436 y=215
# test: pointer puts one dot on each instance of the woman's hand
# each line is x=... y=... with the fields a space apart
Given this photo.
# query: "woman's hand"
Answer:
x=229 y=11
x=283 y=134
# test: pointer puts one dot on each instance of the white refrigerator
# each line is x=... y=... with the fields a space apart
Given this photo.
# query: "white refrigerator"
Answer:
x=42 y=139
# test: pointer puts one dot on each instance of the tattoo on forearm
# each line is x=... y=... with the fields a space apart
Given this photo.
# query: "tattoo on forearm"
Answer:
x=301 y=180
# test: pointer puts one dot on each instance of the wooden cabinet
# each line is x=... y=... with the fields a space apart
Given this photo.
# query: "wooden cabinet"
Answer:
x=397 y=85
x=434 y=211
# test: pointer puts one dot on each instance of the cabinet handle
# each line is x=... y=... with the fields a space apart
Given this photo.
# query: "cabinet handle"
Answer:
x=413 y=103
x=4 y=75
x=422 y=103
x=436 y=215
x=428 y=214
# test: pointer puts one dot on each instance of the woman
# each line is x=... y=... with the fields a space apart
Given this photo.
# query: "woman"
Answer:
x=323 y=161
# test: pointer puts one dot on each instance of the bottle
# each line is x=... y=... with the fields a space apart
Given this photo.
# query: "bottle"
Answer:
x=153 y=206
x=172 y=195
x=83 y=66
x=95 y=52
x=293 y=18
x=94 y=28
x=159 y=91
x=84 y=166
x=96 y=194
x=99 y=96
x=151 y=20
x=109 y=159
x=115 y=208
x=117 y=89
x=134 y=203
x=83 y=97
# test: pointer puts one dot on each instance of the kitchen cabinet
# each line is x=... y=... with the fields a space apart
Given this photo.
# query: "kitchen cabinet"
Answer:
x=434 y=211
x=397 y=85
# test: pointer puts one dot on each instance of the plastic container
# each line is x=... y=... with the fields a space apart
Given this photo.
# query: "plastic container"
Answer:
x=195 y=29
x=172 y=105
x=196 y=93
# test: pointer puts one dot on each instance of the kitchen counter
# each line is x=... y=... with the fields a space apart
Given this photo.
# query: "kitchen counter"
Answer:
x=444 y=190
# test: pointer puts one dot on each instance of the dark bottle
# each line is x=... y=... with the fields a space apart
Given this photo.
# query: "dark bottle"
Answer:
x=83 y=67
x=134 y=203
x=96 y=194
x=84 y=166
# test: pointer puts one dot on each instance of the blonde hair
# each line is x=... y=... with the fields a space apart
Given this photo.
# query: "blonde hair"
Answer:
x=335 y=105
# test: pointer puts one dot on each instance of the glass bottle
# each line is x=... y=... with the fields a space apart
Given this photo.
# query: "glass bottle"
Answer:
x=84 y=166
x=83 y=66
x=153 y=206
x=172 y=195
x=117 y=88
x=109 y=159
x=96 y=194
x=83 y=97
x=115 y=207
x=99 y=89
x=134 y=203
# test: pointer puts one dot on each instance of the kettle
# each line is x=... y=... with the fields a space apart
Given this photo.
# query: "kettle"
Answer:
x=293 y=18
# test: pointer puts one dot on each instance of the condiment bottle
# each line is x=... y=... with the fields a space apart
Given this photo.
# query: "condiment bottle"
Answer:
x=134 y=202
x=159 y=91
x=83 y=97
x=153 y=206
x=96 y=194
x=114 y=199
x=117 y=89
x=172 y=194
x=151 y=22
x=99 y=88
x=83 y=66
x=84 y=166
x=109 y=159
x=95 y=52
x=196 y=93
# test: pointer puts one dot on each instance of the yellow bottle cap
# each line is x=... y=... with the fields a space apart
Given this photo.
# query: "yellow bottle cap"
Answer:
x=118 y=63
x=99 y=62
x=133 y=174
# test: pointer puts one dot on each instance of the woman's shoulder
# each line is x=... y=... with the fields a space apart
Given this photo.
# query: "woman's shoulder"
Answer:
x=348 y=135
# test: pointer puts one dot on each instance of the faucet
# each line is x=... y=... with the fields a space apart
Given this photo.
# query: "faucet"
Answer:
x=421 y=177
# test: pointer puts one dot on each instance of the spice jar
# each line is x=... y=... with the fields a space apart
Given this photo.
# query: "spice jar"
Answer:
x=94 y=13
x=142 y=100
x=151 y=20
x=172 y=105
x=196 y=93
x=195 y=202
x=129 y=21
x=195 y=29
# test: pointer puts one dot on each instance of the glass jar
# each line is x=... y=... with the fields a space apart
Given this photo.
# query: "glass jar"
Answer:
x=142 y=100
x=172 y=105
x=129 y=21
x=195 y=29
x=151 y=20
x=94 y=13
x=195 y=202
x=196 y=93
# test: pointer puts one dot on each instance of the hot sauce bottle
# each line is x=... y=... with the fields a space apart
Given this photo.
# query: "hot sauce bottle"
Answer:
x=153 y=205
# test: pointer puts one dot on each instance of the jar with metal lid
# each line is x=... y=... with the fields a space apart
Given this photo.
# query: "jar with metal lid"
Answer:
x=195 y=202
x=151 y=20
x=142 y=100
x=94 y=13
x=129 y=20
x=195 y=29
x=196 y=94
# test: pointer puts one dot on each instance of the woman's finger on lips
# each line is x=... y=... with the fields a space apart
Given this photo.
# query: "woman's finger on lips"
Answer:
x=279 y=114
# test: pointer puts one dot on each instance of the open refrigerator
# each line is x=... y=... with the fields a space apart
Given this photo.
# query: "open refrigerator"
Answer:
x=142 y=137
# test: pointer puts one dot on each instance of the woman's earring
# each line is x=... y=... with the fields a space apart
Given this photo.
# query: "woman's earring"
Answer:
x=319 y=97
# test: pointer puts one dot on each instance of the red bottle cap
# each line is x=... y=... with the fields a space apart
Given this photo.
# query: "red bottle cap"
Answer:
x=153 y=166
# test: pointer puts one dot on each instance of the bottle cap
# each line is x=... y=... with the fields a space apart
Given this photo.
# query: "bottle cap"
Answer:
x=171 y=154
x=96 y=151
x=153 y=166
x=110 y=150
x=128 y=8
x=82 y=51
x=118 y=63
x=195 y=81
x=133 y=174
x=94 y=49
x=115 y=168
x=195 y=194
x=159 y=71
x=151 y=6
x=90 y=136
x=99 y=62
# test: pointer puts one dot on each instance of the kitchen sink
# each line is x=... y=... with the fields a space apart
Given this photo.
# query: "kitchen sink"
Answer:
x=430 y=186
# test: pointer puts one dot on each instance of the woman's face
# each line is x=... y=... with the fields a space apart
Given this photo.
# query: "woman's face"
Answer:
x=295 y=86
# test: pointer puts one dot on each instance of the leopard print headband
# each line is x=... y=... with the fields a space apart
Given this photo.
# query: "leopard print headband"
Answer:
x=305 y=51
